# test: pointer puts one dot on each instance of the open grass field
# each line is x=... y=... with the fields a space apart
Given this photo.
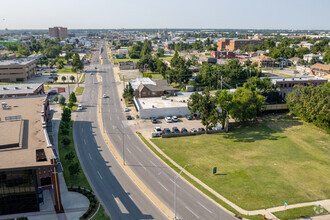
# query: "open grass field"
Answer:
x=300 y=212
x=261 y=165
x=65 y=70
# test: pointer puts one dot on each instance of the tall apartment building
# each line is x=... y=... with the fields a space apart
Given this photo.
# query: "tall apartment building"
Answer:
x=234 y=44
x=28 y=165
x=60 y=32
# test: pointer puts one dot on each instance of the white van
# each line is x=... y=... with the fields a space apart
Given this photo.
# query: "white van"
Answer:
x=80 y=107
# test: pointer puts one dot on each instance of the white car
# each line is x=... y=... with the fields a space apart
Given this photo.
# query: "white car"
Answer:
x=80 y=107
x=105 y=96
x=175 y=119
x=168 y=119
x=158 y=130
x=126 y=109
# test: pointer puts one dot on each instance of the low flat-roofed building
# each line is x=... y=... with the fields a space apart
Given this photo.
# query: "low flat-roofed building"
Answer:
x=263 y=61
x=287 y=84
x=20 y=69
x=27 y=162
x=319 y=69
x=15 y=90
x=161 y=106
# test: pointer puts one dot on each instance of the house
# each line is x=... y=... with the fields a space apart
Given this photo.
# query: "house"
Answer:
x=309 y=57
x=283 y=62
x=128 y=65
x=263 y=61
x=320 y=69
x=122 y=51
x=295 y=60
x=145 y=87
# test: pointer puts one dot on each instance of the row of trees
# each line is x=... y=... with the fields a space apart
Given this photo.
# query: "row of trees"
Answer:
x=197 y=45
x=312 y=104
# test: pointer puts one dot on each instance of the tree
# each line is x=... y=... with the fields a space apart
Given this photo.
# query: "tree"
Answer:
x=55 y=78
x=61 y=100
x=160 y=52
x=204 y=105
x=72 y=78
x=66 y=141
x=55 y=98
x=66 y=115
x=326 y=57
x=146 y=49
x=247 y=104
x=63 y=78
x=128 y=92
x=70 y=105
x=225 y=102
x=70 y=156
x=74 y=169
x=77 y=64
x=72 y=97
x=60 y=64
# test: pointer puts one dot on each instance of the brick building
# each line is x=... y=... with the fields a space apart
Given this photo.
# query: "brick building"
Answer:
x=60 y=32
x=234 y=44
x=222 y=54
x=263 y=61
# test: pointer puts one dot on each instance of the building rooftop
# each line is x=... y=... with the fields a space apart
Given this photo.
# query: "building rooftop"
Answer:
x=321 y=66
x=6 y=89
x=22 y=139
x=290 y=79
x=162 y=102
x=21 y=61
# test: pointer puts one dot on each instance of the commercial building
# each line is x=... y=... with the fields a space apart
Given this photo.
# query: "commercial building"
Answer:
x=15 y=90
x=161 y=106
x=128 y=65
x=287 y=84
x=234 y=44
x=60 y=32
x=222 y=54
x=27 y=162
x=18 y=69
x=320 y=69
x=263 y=61
x=145 y=87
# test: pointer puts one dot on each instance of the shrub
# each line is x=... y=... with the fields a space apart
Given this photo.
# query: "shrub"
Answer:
x=66 y=141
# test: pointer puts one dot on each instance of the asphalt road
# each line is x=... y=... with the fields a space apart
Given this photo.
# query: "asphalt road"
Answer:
x=119 y=195
x=191 y=204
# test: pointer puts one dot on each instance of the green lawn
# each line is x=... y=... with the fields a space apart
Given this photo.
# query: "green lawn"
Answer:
x=259 y=166
x=166 y=57
x=100 y=215
x=300 y=212
x=65 y=71
x=79 y=90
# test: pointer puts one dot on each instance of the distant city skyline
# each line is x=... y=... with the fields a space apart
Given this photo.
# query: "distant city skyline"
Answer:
x=193 y=14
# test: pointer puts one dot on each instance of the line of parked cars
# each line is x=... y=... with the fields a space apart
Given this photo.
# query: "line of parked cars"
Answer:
x=176 y=130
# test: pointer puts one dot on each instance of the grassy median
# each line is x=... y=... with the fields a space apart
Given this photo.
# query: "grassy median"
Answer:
x=306 y=211
x=259 y=166
x=79 y=90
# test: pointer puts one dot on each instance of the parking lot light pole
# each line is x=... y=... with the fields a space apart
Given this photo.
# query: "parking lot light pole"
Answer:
x=175 y=179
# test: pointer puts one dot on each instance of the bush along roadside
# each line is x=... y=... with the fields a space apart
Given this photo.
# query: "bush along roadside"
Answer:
x=72 y=170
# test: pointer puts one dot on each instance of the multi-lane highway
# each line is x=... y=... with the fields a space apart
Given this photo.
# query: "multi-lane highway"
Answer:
x=116 y=190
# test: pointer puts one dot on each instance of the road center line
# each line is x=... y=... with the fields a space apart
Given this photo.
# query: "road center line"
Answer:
x=99 y=174
x=162 y=186
x=204 y=207
x=192 y=212
x=90 y=157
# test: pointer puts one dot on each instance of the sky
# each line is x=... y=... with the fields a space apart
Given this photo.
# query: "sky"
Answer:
x=206 y=14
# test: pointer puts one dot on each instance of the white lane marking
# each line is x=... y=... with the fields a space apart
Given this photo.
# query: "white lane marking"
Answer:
x=152 y=163
x=129 y=151
x=90 y=157
x=120 y=205
x=142 y=166
x=162 y=186
x=139 y=149
x=176 y=183
x=82 y=129
x=192 y=212
x=204 y=207
x=99 y=174
x=84 y=141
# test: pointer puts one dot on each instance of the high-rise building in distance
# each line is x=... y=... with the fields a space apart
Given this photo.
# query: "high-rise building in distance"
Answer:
x=60 y=32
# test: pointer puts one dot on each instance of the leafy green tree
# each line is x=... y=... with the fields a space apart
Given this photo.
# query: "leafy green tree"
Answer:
x=70 y=105
x=60 y=63
x=72 y=78
x=72 y=97
x=70 y=156
x=63 y=78
x=55 y=78
x=135 y=51
x=77 y=64
x=160 y=52
x=326 y=57
x=55 y=98
x=61 y=100
x=128 y=92
x=66 y=141
x=225 y=102
x=301 y=51
x=247 y=104
x=146 y=49
x=204 y=105
x=74 y=169
x=66 y=115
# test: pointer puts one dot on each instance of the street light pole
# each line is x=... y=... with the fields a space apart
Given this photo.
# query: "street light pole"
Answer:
x=175 y=179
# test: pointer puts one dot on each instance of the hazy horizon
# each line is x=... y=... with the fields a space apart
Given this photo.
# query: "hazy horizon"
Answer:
x=148 y=14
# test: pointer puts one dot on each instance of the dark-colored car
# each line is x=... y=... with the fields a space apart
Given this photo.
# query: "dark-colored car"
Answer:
x=154 y=120
x=201 y=129
x=175 y=130
x=128 y=117
x=52 y=92
x=189 y=117
x=167 y=131
x=184 y=130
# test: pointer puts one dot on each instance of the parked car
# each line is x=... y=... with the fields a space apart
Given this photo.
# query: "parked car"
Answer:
x=52 y=92
x=201 y=129
x=105 y=96
x=80 y=107
x=168 y=119
x=167 y=131
x=193 y=130
x=157 y=130
x=128 y=117
x=189 y=117
x=126 y=109
x=184 y=130
x=175 y=119
x=217 y=128
x=175 y=130
x=154 y=120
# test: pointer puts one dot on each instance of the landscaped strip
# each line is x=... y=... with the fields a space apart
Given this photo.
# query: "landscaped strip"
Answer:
x=79 y=90
x=306 y=211
x=198 y=186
